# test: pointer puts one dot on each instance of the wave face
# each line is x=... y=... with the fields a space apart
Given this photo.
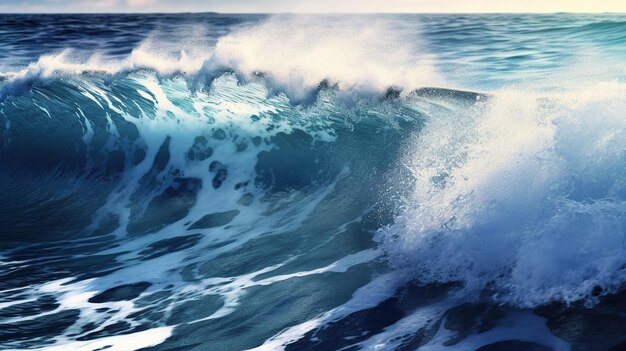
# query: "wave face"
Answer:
x=312 y=182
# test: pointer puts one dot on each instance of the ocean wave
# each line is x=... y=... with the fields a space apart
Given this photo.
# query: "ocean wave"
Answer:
x=518 y=196
x=515 y=193
x=169 y=179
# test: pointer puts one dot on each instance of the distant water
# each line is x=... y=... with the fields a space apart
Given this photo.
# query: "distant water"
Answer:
x=337 y=182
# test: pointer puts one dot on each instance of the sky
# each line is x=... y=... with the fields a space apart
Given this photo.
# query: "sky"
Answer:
x=315 y=6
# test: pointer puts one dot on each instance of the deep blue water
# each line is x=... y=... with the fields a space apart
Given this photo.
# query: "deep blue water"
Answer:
x=337 y=182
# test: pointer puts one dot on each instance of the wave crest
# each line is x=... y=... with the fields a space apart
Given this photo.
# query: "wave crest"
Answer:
x=295 y=54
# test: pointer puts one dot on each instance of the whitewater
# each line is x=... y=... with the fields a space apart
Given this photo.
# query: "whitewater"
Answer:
x=313 y=182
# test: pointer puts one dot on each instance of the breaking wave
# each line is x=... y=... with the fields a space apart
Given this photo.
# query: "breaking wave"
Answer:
x=130 y=185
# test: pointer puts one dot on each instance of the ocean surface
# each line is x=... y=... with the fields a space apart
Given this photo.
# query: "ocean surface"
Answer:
x=313 y=182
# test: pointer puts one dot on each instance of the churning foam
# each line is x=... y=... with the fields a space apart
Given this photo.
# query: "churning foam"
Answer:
x=524 y=197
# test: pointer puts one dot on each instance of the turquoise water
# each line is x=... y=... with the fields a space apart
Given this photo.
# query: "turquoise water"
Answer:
x=339 y=182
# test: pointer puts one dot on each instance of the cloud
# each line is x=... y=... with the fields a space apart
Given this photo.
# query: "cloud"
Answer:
x=137 y=3
x=99 y=3
x=113 y=4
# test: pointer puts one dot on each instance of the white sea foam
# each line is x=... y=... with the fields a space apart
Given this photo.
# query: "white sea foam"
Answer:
x=126 y=342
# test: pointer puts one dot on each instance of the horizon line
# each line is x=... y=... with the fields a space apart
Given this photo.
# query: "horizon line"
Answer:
x=312 y=13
